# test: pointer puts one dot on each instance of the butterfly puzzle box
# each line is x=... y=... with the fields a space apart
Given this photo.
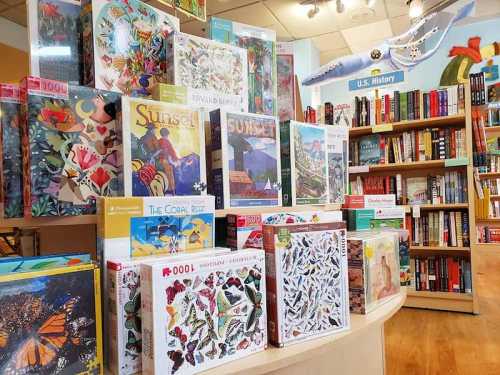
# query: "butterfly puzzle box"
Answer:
x=62 y=307
x=204 y=312
x=374 y=270
x=245 y=231
x=306 y=276
x=124 y=313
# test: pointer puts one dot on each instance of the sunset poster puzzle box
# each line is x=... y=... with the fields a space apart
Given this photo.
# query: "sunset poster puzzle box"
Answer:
x=164 y=153
x=245 y=159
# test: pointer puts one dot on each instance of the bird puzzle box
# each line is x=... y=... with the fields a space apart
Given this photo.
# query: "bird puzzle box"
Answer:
x=304 y=164
x=72 y=147
x=214 y=73
x=260 y=44
x=245 y=160
x=164 y=149
x=55 y=39
x=306 y=276
x=245 y=231
x=200 y=313
x=124 y=313
x=11 y=166
x=374 y=274
x=59 y=331
x=124 y=45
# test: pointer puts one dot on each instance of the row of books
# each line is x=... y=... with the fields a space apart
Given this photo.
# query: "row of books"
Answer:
x=441 y=274
x=441 y=228
x=448 y=188
x=412 y=105
x=494 y=114
x=493 y=185
x=428 y=144
x=486 y=206
x=488 y=234
x=492 y=163
x=477 y=88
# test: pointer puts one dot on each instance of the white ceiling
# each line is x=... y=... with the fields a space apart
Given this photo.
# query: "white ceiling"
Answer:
x=357 y=29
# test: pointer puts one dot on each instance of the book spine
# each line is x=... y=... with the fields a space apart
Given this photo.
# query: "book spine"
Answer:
x=286 y=171
x=147 y=320
x=217 y=167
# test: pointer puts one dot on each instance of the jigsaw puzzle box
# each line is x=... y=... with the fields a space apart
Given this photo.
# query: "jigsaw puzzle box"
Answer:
x=204 y=312
x=374 y=218
x=374 y=273
x=245 y=231
x=307 y=286
x=124 y=313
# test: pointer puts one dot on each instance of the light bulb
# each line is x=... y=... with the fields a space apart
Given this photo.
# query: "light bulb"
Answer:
x=416 y=8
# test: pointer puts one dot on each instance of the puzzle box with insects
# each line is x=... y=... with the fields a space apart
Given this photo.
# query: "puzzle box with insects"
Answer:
x=245 y=160
x=164 y=149
x=201 y=313
x=307 y=286
x=373 y=269
x=304 y=169
x=72 y=147
x=245 y=231
x=214 y=73
x=59 y=331
x=124 y=45
x=11 y=156
x=124 y=312
x=260 y=44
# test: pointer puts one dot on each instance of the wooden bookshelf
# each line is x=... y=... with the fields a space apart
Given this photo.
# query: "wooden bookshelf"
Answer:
x=485 y=176
x=459 y=302
x=48 y=221
x=435 y=122
x=492 y=130
x=440 y=248
x=490 y=220
x=399 y=166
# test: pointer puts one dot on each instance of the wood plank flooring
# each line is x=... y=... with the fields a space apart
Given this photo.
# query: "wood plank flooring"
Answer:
x=424 y=342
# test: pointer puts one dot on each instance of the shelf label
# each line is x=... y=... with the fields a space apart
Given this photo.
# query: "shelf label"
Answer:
x=359 y=169
x=456 y=162
x=416 y=211
x=382 y=128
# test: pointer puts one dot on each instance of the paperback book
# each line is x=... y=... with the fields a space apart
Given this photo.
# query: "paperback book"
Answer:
x=124 y=45
x=304 y=171
x=215 y=74
x=286 y=81
x=301 y=306
x=261 y=52
x=245 y=160
x=204 y=312
x=72 y=147
x=55 y=39
x=59 y=330
x=374 y=275
x=245 y=231
x=11 y=154
x=338 y=160
x=164 y=153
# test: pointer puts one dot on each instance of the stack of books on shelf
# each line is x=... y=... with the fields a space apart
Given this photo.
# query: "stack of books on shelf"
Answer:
x=407 y=106
x=488 y=234
x=432 y=189
x=442 y=274
x=441 y=229
x=479 y=122
x=487 y=203
x=411 y=146
x=494 y=114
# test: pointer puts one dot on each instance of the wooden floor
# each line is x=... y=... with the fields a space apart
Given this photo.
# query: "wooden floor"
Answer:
x=423 y=342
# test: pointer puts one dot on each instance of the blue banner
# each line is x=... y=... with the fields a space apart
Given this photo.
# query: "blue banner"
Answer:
x=376 y=81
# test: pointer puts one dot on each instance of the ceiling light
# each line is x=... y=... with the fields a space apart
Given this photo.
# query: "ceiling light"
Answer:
x=313 y=11
x=340 y=6
x=370 y=3
x=416 y=8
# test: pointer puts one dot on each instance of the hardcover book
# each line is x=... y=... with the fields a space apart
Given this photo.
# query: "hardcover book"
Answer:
x=245 y=231
x=165 y=149
x=300 y=306
x=214 y=73
x=245 y=160
x=55 y=39
x=369 y=150
x=11 y=265
x=124 y=318
x=338 y=160
x=204 y=312
x=72 y=147
x=59 y=331
x=11 y=153
x=124 y=45
x=286 y=81
x=304 y=170
x=373 y=269
x=261 y=52
x=416 y=189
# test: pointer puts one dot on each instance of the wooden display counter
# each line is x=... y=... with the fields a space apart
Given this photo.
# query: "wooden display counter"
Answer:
x=358 y=351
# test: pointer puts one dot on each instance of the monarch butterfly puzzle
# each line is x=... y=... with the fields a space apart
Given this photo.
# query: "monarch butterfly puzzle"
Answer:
x=200 y=313
x=50 y=322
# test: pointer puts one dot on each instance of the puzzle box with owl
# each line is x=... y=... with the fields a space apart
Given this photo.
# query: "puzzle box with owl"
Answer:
x=201 y=313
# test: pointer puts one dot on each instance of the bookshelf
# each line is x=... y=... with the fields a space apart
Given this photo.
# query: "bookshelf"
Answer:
x=448 y=301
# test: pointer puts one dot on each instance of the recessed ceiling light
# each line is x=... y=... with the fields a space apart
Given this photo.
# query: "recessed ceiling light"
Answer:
x=416 y=8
